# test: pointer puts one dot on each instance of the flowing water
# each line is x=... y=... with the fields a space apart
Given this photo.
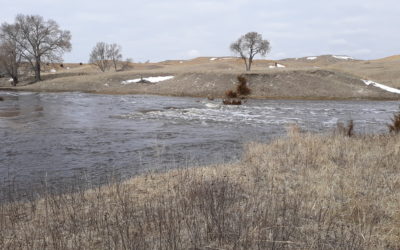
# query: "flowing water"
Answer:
x=59 y=140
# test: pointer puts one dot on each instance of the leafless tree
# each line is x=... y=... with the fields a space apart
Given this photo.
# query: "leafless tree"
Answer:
x=127 y=64
x=40 y=40
x=10 y=55
x=105 y=55
x=114 y=51
x=100 y=56
x=248 y=46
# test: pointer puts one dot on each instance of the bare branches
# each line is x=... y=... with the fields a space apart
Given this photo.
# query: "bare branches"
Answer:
x=105 y=55
x=10 y=52
x=38 y=40
x=99 y=56
x=248 y=46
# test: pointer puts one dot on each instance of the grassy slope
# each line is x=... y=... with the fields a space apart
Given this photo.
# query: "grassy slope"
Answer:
x=305 y=191
x=324 y=78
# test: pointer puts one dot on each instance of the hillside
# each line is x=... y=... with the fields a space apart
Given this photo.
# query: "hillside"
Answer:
x=319 y=77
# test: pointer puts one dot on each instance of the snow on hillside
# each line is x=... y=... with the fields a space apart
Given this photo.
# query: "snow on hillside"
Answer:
x=343 y=57
x=152 y=79
x=311 y=58
x=277 y=66
x=384 y=87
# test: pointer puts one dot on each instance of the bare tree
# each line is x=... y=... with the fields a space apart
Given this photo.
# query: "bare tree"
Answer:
x=104 y=55
x=248 y=46
x=127 y=64
x=100 y=56
x=39 y=40
x=10 y=55
x=115 y=54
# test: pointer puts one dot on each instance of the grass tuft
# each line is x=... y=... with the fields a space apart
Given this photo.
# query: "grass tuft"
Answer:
x=394 y=127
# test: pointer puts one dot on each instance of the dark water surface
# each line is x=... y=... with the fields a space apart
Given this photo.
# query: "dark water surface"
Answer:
x=61 y=139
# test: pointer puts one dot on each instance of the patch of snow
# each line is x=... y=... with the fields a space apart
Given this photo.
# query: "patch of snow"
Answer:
x=106 y=84
x=277 y=66
x=227 y=58
x=343 y=57
x=152 y=79
x=213 y=59
x=67 y=67
x=53 y=71
x=311 y=58
x=384 y=87
x=180 y=61
x=10 y=80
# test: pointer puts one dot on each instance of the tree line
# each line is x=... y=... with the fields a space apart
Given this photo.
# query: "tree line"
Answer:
x=33 y=40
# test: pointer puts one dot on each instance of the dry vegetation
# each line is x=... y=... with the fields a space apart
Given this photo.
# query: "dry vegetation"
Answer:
x=301 y=192
x=323 y=78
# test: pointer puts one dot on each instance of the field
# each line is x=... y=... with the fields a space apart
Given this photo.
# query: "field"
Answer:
x=302 y=191
x=324 y=77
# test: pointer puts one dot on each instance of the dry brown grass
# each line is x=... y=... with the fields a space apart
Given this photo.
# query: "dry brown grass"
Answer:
x=201 y=77
x=301 y=192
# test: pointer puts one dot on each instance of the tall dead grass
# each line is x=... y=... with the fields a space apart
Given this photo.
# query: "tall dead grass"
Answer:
x=301 y=192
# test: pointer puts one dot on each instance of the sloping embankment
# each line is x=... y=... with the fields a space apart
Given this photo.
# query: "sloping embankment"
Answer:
x=292 y=84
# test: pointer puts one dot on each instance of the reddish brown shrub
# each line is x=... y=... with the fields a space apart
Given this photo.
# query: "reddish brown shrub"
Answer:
x=231 y=94
x=394 y=127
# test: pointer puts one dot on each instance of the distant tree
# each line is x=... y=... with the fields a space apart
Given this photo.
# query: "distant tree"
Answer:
x=104 y=55
x=39 y=40
x=10 y=53
x=248 y=46
x=99 y=56
x=127 y=64
x=115 y=55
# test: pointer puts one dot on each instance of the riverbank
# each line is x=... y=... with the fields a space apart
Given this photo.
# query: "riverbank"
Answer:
x=302 y=191
x=299 y=84
x=210 y=79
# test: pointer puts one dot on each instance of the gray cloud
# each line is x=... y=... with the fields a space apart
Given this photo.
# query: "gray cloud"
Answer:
x=174 y=29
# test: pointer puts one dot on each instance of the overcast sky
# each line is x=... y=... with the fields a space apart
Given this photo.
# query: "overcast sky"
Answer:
x=158 y=30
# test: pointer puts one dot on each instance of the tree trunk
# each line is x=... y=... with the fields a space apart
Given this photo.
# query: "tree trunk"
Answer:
x=37 y=71
x=15 y=81
x=250 y=62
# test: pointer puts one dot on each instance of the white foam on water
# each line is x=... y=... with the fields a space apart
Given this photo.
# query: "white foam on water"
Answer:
x=212 y=105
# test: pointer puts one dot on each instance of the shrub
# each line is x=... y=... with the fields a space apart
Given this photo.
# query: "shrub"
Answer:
x=231 y=102
x=394 y=127
x=231 y=94
x=345 y=130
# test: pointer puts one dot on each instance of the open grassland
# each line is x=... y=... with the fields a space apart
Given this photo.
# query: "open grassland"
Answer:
x=323 y=78
x=304 y=191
